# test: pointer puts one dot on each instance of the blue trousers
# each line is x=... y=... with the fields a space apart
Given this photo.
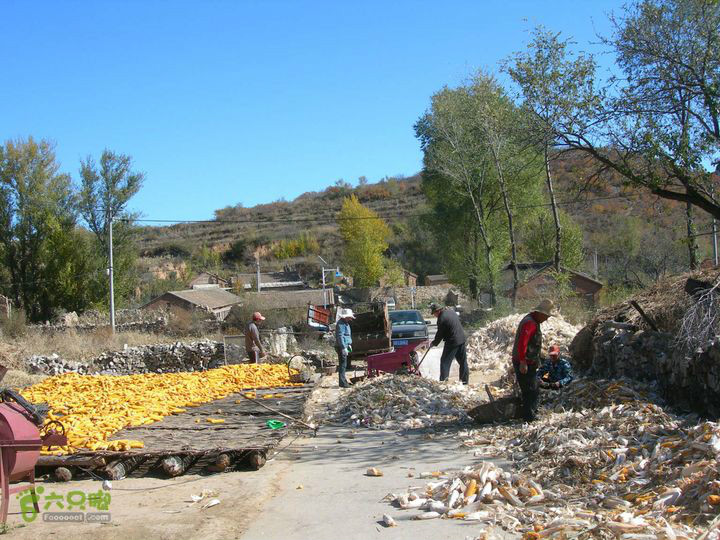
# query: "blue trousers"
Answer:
x=342 y=367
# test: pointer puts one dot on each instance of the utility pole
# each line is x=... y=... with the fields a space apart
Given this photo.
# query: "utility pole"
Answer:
x=257 y=270
x=323 y=286
x=325 y=302
x=110 y=274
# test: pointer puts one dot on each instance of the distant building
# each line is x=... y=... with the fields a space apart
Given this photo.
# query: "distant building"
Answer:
x=536 y=280
x=211 y=300
x=276 y=299
x=410 y=278
x=205 y=279
x=288 y=281
x=436 y=279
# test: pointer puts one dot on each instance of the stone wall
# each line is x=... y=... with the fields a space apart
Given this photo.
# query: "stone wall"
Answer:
x=691 y=383
x=164 y=358
x=126 y=320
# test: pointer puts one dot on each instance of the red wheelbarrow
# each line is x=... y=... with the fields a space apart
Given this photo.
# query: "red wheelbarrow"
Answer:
x=405 y=359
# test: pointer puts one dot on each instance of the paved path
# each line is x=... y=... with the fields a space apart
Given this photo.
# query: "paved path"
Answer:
x=325 y=495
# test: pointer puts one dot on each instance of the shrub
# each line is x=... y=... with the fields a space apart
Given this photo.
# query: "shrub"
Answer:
x=15 y=326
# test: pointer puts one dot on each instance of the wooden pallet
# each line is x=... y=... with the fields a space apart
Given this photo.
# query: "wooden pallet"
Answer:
x=187 y=443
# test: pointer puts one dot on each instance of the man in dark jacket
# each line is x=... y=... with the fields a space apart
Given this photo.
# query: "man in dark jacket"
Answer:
x=451 y=331
x=526 y=356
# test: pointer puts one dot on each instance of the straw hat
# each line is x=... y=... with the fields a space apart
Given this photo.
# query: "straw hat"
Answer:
x=346 y=313
x=546 y=307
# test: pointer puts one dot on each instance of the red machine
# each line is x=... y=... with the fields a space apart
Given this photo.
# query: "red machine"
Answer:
x=21 y=424
x=405 y=358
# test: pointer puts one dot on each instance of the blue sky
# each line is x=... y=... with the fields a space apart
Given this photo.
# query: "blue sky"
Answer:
x=222 y=103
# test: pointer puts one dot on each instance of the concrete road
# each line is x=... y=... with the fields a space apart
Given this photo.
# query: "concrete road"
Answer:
x=430 y=367
x=324 y=493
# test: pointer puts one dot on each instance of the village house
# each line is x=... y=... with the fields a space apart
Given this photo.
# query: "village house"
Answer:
x=436 y=279
x=537 y=280
x=211 y=300
x=208 y=279
x=286 y=281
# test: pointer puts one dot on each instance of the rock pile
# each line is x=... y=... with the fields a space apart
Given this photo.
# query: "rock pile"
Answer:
x=405 y=402
x=54 y=365
x=490 y=348
x=164 y=358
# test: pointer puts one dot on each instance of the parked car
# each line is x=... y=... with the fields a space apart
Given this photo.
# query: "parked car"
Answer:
x=408 y=326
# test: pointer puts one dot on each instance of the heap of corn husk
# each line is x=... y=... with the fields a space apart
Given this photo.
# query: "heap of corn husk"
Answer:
x=517 y=503
x=602 y=460
x=490 y=348
x=397 y=401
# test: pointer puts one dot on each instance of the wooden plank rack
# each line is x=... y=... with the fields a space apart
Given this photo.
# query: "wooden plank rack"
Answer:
x=187 y=443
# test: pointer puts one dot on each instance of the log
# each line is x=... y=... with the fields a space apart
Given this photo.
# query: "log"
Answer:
x=62 y=474
x=121 y=468
x=88 y=462
x=257 y=459
x=644 y=315
x=176 y=465
x=222 y=462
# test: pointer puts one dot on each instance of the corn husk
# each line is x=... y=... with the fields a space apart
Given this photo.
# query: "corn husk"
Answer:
x=404 y=402
x=603 y=459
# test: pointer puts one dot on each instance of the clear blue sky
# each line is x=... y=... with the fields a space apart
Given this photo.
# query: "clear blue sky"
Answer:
x=228 y=102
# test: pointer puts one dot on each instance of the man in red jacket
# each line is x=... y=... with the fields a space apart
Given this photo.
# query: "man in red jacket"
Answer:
x=526 y=356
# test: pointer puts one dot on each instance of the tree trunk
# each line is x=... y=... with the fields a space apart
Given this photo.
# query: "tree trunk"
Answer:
x=553 y=204
x=511 y=229
x=486 y=245
x=691 y=238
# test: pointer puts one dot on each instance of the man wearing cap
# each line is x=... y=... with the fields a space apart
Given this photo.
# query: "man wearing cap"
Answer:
x=450 y=329
x=343 y=343
x=556 y=372
x=253 y=347
x=526 y=356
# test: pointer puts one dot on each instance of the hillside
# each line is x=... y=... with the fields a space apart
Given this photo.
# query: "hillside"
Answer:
x=239 y=232
x=634 y=233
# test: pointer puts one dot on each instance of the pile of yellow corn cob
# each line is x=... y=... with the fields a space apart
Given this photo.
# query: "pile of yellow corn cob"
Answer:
x=94 y=407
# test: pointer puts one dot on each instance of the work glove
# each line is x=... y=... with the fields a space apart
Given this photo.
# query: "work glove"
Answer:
x=523 y=368
x=555 y=385
x=345 y=352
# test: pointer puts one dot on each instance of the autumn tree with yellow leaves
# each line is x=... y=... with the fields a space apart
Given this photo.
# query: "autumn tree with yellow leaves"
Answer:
x=365 y=236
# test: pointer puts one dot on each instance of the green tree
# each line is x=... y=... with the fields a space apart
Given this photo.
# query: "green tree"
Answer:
x=105 y=191
x=501 y=126
x=539 y=239
x=551 y=85
x=42 y=252
x=365 y=236
x=658 y=122
x=456 y=159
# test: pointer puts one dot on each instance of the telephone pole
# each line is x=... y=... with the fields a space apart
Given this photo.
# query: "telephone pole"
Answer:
x=110 y=274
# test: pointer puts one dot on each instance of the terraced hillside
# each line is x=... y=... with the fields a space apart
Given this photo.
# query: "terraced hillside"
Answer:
x=618 y=224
